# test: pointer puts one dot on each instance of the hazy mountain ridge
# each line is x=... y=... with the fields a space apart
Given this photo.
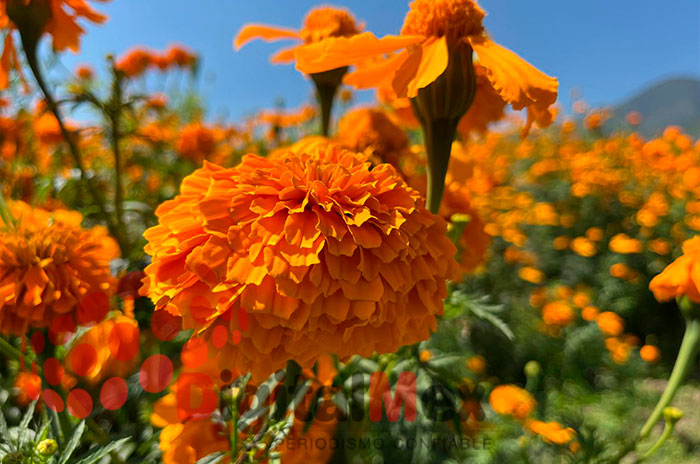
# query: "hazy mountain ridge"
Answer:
x=674 y=101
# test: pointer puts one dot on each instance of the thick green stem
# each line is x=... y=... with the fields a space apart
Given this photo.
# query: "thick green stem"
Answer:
x=9 y=350
x=327 y=84
x=439 y=135
x=685 y=360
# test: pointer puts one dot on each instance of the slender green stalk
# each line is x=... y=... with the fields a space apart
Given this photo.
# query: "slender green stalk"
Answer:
x=686 y=357
x=29 y=47
x=668 y=431
x=114 y=116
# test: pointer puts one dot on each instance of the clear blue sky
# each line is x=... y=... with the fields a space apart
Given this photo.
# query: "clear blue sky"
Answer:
x=609 y=49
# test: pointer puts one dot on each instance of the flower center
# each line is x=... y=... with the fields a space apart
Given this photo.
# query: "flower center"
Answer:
x=454 y=19
x=325 y=22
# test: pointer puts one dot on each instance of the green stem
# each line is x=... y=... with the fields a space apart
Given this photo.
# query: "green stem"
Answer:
x=114 y=116
x=668 y=430
x=439 y=135
x=30 y=52
x=686 y=358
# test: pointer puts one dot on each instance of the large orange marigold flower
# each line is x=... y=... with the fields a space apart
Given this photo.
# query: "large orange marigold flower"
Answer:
x=48 y=262
x=513 y=401
x=682 y=276
x=32 y=18
x=300 y=255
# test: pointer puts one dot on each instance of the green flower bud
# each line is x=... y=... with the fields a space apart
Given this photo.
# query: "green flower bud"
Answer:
x=532 y=369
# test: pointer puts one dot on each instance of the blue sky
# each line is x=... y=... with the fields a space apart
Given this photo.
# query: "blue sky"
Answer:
x=609 y=49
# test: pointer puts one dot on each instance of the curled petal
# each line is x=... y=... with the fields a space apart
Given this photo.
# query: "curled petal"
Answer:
x=517 y=81
x=266 y=33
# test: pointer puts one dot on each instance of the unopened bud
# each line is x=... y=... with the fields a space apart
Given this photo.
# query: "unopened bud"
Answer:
x=47 y=447
x=532 y=369
x=672 y=415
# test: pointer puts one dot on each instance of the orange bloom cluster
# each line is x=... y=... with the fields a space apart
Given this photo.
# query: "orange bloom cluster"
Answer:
x=48 y=262
x=59 y=18
x=304 y=254
x=139 y=60
x=518 y=403
x=198 y=142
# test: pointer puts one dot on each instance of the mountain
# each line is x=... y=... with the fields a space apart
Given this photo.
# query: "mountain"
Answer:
x=670 y=102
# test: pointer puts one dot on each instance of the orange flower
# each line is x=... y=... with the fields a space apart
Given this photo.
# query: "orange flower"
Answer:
x=551 y=432
x=435 y=33
x=682 y=276
x=584 y=247
x=48 y=262
x=372 y=131
x=513 y=401
x=476 y=364
x=610 y=323
x=302 y=255
x=590 y=313
x=320 y=25
x=198 y=142
x=135 y=62
x=188 y=442
x=85 y=72
x=623 y=244
x=59 y=18
x=138 y=60
x=116 y=342
x=531 y=274
x=27 y=387
x=558 y=313
x=650 y=353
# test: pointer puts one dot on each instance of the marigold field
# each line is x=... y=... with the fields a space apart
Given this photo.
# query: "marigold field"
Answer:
x=454 y=272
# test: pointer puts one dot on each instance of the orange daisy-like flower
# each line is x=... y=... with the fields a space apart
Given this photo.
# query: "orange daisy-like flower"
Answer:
x=48 y=262
x=320 y=24
x=32 y=18
x=300 y=255
x=551 y=432
x=513 y=401
x=682 y=276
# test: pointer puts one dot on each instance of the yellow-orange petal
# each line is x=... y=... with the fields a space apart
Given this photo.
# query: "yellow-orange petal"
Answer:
x=517 y=81
x=284 y=56
x=422 y=67
x=376 y=72
x=337 y=52
x=266 y=33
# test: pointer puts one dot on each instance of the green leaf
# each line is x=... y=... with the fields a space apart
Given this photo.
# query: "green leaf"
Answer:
x=24 y=424
x=3 y=424
x=72 y=443
x=104 y=451
x=479 y=307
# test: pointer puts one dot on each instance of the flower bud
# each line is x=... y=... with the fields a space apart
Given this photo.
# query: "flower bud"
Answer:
x=672 y=415
x=47 y=447
x=532 y=369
